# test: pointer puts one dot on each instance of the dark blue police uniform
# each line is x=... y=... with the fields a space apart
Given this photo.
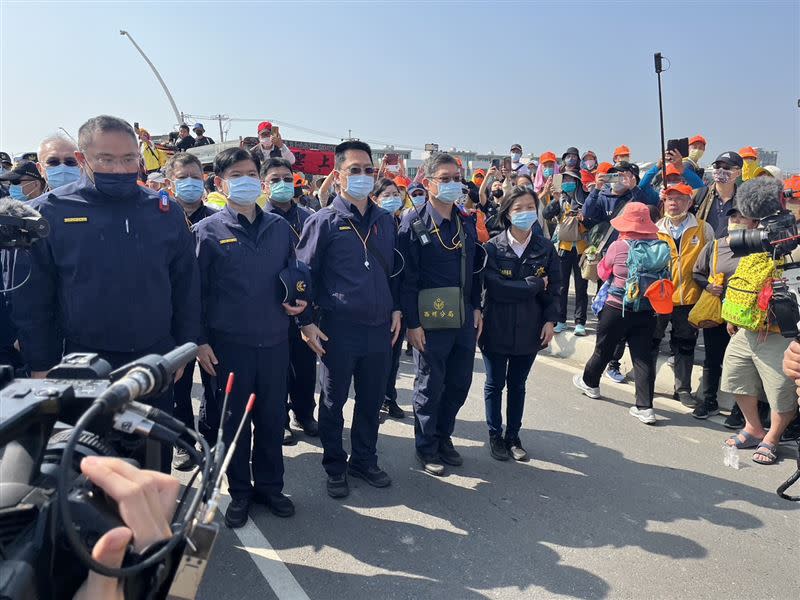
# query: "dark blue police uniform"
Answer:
x=355 y=302
x=444 y=369
x=397 y=351
x=247 y=328
x=116 y=276
x=183 y=387
x=302 y=360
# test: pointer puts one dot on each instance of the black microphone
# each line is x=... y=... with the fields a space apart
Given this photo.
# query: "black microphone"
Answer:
x=20 y=225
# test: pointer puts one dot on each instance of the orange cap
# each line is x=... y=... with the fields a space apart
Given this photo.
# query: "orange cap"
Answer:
x=748 y=152
x=698 y=139
x=547 y=157
x=604 y=167
x=681 y=188
x=622 y=151
x=298 y=180
x=401 y=181
x=673 y=170
x=659 y=293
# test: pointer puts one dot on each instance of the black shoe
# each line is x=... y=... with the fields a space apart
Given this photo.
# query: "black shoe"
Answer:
x=515 y=449
x=792 y=432
x=497 y=447
x=372 y=475
x=288 y=437
x=735 y=420
x=309 y=426
x=709 y=408
x=409 y=349
x=278 y=504
x=448 y=453
x=393 y=409
x=236 y=515
x=182 y=461
x=337 y=486
x=686 y=399
x=431 y=464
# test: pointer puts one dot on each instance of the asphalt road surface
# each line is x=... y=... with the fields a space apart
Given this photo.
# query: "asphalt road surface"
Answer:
x=606 y=508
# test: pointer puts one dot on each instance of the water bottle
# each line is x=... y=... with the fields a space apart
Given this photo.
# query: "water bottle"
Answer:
x=731 y=457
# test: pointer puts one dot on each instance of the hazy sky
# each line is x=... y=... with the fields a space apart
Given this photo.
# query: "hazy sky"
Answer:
x=468 y=74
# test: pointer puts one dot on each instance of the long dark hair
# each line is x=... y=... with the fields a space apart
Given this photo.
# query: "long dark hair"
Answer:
x=381 y=187
x=517 y=192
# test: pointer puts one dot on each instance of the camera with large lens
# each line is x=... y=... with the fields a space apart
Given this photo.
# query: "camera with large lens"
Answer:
x=776 y=234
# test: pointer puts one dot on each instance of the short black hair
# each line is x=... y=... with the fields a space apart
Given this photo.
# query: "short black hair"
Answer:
x=209 y=184
x=342 y=148
x=181 y=159
x=102 y=124
x=230 y=156
x=435 y=161
x=184 y=126
x=517 y=192
x=274 y=163
x=382 y=186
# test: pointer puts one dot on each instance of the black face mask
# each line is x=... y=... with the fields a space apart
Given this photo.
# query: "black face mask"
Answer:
x=497 y=193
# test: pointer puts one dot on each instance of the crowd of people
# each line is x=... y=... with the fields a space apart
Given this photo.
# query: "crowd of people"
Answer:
x=290 y=281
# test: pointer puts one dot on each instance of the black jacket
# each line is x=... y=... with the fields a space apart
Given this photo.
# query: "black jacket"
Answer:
x=516 y=304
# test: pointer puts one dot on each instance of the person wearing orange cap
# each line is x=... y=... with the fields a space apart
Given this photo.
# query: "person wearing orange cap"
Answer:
x=478 y=176
x=271 y=144
x=697 y=147
x=686 y=237
x=622 y=154
x=636 y=323
x=751 y=163
x=676 y=173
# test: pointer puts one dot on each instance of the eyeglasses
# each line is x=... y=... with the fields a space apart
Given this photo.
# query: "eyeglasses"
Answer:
x=359 y=170
x=447 y=179
x=286 y=179
x=128 y=163
x=54 y=161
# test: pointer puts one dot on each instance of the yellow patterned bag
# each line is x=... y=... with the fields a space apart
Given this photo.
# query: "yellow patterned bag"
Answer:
x=741 y=307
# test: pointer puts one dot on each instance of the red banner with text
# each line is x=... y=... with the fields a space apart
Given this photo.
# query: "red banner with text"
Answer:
x=312 y=162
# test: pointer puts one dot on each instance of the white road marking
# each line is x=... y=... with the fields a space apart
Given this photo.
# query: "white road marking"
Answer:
x=272 y=568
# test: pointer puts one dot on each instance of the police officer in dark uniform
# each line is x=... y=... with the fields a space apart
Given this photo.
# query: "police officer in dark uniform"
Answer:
x=242 y=251
x=350 y=248
x=184 y=179
x=279 y=189
x=117 y=275
x=432 y=239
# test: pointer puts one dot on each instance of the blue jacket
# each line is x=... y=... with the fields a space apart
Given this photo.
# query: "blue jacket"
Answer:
x=341 y=284
x=600 y=204
x=434 y=265
x=115 y=275
x=239 y=267
x=296 y=216
x=646 y=183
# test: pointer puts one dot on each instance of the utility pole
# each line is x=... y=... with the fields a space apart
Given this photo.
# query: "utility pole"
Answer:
x=219 y=119
x=157 y=74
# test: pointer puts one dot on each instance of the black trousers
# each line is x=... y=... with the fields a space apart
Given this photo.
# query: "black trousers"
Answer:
x=685 y=338
x=716 y=341
x=569 y=260
x=394 y=366
x=183 y=394
x=637 y=328
x=302 y=377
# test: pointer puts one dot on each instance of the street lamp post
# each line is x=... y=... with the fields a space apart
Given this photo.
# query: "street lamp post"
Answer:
x=158 y=76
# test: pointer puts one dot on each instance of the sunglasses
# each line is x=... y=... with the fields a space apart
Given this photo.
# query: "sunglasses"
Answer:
x=359 y=170
x=54 y=161
x=286 y=179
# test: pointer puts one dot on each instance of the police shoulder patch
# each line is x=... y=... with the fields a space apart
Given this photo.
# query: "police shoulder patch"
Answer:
x=228 y=241
x=344 y=228
x=76 y=219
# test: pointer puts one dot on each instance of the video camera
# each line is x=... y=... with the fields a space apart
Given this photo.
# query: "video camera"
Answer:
x=51 y=515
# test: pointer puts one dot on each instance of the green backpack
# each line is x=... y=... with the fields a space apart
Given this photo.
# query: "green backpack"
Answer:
x=740 y=306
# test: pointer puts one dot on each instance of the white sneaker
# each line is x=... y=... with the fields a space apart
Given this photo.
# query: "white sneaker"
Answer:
x=645 y=415
x=593 y=393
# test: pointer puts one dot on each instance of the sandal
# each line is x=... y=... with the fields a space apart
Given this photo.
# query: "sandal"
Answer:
x=750 y=441
x=768 y=451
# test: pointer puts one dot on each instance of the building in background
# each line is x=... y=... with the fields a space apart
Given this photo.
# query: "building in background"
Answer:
x=767 y=157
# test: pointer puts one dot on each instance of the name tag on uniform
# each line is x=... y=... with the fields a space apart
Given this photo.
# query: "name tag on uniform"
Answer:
x=505 y=272
x=344 y=228
x=228 y=241
x=76 y=220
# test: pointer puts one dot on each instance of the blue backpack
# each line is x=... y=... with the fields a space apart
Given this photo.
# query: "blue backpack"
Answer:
x=648 y=261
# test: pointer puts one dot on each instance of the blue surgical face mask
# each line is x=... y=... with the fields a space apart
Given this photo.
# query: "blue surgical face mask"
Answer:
x=59 y=175
x=190 y=189
x=281 y=191
x=568 y=186
x=15 y=191
x=360 y=186
x=515 y=156
x=419 y=200
x=450 y=192
x=392 y=203
x=524 y=220
x=548 y=171
x=244 y=190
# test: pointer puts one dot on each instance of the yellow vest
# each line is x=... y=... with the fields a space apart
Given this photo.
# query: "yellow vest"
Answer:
x=687 y=292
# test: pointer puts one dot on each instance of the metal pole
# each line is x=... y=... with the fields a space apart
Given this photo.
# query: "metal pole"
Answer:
x=659 y=68
x=219 y=118
x=157 y=74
